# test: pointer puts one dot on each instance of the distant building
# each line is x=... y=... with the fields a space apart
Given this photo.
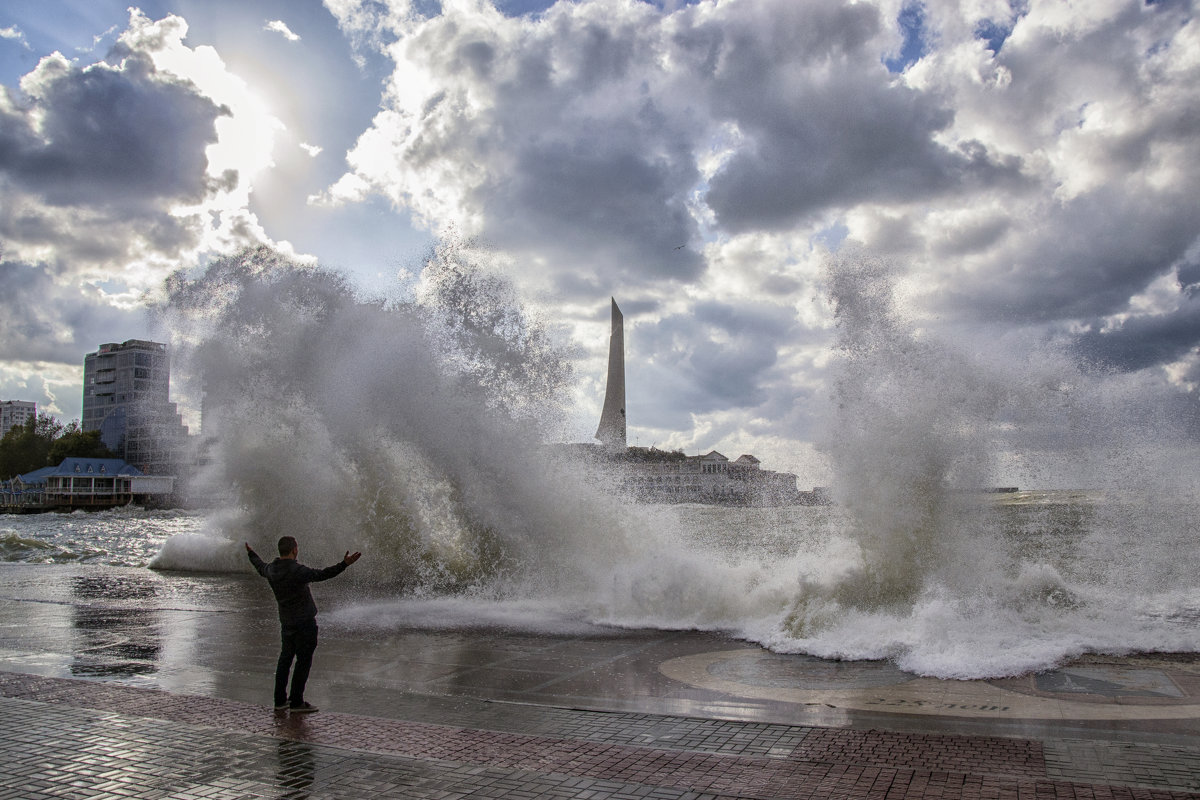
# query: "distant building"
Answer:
x=126 y=396
x=82 y=483
x=14 y=413
x=656 y=477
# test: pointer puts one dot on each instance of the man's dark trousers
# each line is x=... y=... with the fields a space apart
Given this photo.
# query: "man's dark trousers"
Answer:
x=299 y=643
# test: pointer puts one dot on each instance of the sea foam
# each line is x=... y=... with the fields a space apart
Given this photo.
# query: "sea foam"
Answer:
x=415 y=432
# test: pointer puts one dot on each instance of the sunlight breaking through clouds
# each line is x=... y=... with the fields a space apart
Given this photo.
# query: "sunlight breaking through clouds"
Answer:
x=1030 y=167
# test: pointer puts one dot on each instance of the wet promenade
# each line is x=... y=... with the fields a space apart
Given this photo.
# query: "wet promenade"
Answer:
x=126 y=683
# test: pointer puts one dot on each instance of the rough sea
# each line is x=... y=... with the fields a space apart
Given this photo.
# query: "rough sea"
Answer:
x=1026 y=581
x=414 y=431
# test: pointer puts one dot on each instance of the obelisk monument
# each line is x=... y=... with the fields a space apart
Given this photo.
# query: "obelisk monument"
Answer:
x=611 y=432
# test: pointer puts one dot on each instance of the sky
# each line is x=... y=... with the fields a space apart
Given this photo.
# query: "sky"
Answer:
x=1027 y=169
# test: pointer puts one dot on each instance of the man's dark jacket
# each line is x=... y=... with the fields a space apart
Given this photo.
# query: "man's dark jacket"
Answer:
x=289 y=581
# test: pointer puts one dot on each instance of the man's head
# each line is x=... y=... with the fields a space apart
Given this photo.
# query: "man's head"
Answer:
x=288 y=546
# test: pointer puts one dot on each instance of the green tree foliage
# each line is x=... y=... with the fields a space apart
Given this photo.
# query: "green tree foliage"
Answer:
x=44 y=442
x=26 y=447
x=78 y=443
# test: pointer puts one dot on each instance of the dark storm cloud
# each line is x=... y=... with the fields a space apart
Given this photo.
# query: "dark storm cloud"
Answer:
x=1144 y=341
x=824 y=124
x=878 y=147
x=44 y=320
x=1082 y=259
x=103 y=135
x=591 y=199
x=712 y=359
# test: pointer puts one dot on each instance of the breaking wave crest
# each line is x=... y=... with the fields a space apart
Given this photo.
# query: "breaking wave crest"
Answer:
x=413 y=430
x=418 y=431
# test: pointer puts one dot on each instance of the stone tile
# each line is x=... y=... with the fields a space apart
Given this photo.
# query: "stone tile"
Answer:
x=186 y=664
x=80 y=738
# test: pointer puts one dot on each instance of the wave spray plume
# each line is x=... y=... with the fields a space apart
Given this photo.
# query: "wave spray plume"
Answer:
x=411 y=429
x=415 y=431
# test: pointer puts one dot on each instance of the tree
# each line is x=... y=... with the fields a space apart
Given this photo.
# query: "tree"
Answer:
x=78 y=443
x=27 y=447
x=44 y=442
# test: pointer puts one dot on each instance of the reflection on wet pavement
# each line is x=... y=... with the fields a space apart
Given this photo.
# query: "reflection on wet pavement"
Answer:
x=783 y=671
x=1110 y=682
x=115 y=640
x=217 y=635
x=296 y=770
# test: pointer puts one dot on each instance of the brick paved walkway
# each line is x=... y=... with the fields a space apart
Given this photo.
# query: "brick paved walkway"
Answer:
x=89 y=739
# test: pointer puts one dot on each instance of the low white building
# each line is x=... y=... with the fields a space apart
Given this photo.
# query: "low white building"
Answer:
x=710 y=478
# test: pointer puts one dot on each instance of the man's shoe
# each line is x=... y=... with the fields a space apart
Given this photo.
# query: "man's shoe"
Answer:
x=304 y=708
x=281 y=706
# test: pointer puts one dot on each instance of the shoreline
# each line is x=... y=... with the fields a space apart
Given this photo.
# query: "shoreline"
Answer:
x=215 y=634
x=207 y=586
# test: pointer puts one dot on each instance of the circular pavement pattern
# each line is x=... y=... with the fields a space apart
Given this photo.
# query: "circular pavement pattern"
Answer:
x=1087 y=690
x=784 y=671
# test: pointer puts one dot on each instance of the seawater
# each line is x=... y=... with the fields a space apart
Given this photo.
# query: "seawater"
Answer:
x=122 y=537
x=414 y=431
x=1063 y=573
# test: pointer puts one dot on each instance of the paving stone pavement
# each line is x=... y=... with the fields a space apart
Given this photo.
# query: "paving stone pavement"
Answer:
x=72 y=738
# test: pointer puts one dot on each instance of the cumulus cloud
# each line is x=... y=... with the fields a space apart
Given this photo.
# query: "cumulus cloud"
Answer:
x=1033 y=166
x=91 y=159
x=44 y=320
x=280 y=27
x=121 y=134
x=116 y=173
x=14 y=33
x=604 y=135
x=545 y=134
x=1099 y=106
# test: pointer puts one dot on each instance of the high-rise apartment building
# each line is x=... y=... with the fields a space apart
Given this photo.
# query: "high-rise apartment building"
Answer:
x=14 y=413
x=126 y=396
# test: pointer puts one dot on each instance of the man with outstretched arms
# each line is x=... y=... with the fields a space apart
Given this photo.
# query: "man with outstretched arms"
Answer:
x=289 y=581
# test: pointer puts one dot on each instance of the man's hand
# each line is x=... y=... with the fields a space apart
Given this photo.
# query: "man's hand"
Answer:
x=350 y=558
x=249 y=549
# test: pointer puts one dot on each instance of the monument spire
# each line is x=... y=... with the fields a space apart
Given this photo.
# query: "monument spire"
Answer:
x=611 y=432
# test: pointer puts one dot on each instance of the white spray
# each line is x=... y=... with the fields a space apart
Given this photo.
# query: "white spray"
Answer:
x=417 y=432
x=414 y=430
x=953 y=581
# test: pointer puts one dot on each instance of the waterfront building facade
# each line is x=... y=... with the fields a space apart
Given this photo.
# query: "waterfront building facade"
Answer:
x=15 y=413
x=708 y=478
x=82 y=483
x=650 y=475
x=126 y=396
